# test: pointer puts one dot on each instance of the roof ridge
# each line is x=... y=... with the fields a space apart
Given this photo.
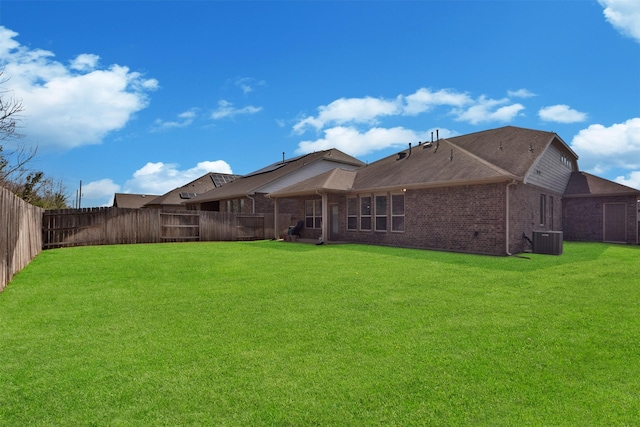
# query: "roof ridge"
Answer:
x=481 y=160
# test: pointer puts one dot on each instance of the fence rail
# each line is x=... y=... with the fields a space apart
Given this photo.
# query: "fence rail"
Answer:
x=107 y=226
x=20 y=235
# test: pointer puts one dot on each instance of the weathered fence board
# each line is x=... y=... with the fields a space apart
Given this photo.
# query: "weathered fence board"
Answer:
x=102 y=226
x=20 y=234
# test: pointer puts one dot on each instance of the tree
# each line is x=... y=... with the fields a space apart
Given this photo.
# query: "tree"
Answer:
x=12 y=162
x=31 y=186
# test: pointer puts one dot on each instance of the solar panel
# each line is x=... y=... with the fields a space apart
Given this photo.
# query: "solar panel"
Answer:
x=188 y=195
x=221 y=179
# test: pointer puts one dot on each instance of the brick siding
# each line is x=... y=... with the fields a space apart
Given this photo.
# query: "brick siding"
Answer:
x=583 y=217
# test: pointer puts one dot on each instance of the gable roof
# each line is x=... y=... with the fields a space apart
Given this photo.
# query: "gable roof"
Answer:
x=254 y=181
x=437 y=164
x=511 y=148
x=495 y=155
x=583 y=184
x=192 y=189
x=335 y=180
x=135 y=201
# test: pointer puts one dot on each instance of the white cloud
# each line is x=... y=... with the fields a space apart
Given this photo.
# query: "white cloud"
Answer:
x=488 y=110
x=370 y=110
x=100 y=189
x=602 y=148
x=85 y=62
x=74 y=105
x=356 y=143
x=226 y=109
x=424 y=100
x=521 y=93
x=346 y=110
x=159 y=178
x=184 y=119
x=562 y=114
x=624 y=15
x=633 y=181
x=248 y=84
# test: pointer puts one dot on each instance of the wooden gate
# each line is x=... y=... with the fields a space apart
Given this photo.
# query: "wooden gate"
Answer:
x=180 y=226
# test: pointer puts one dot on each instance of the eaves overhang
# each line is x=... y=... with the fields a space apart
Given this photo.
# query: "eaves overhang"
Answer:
x=438 y=184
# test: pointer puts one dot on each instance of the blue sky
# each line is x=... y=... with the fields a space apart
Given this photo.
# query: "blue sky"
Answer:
x=145 y=96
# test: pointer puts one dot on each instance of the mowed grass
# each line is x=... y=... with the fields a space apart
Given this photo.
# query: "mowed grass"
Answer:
x=274 y=333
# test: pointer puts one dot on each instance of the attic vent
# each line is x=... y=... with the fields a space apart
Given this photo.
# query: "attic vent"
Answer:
x=188 y=195
x=401 y=155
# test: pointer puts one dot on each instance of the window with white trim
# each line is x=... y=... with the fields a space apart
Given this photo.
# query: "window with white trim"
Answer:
x=397 y=212
x=352 y=213
x=543 y=209
x=381 y=213
x=235 y=205
x=313 y=213
x=365 y=213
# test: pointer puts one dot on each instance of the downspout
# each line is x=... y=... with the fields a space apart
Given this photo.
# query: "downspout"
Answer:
x=253 y=207
x=513 y=182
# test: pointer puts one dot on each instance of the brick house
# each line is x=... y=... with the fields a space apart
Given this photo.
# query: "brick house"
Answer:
x=248 y=194
x=175 y=198
x=595 y=209
x=485 y=192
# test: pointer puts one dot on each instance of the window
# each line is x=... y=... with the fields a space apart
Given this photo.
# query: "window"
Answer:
x=313 y=214
x=543 y=208
x=381 y=213
x=235 y=205
x=397 y=212
x=365 y=213
x=551 y=212
x=352 y=213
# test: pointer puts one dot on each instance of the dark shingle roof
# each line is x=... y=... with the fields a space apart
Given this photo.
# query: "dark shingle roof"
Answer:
x=192 y=189
x=251 y=182
x=494 y=155
x=510 y=148
x=335 y=180
x=443 y=162
x=582 y=184
x=136 y=201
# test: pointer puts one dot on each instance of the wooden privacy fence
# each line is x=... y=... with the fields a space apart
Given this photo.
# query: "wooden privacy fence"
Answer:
x=20 y=234
x=107 y=226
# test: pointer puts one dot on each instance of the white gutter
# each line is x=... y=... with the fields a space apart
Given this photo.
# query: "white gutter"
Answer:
x=253 y=208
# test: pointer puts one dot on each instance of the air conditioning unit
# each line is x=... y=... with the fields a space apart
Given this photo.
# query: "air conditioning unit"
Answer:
x=547 y=242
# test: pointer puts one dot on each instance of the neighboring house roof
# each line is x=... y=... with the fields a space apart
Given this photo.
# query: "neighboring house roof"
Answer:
x=136 y=201
x=279 y=174
x=583 y=184
x=191 y=190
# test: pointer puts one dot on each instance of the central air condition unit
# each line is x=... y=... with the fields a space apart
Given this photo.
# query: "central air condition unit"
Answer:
x=547 y=242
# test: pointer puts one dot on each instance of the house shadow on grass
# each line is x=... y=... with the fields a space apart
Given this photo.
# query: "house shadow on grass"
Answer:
x=573 y=253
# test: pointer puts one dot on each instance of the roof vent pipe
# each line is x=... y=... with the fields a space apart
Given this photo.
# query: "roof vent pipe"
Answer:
x=283 y=157
x=409 y=148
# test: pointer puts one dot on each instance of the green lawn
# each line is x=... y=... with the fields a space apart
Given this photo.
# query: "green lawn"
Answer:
x=275 y=333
